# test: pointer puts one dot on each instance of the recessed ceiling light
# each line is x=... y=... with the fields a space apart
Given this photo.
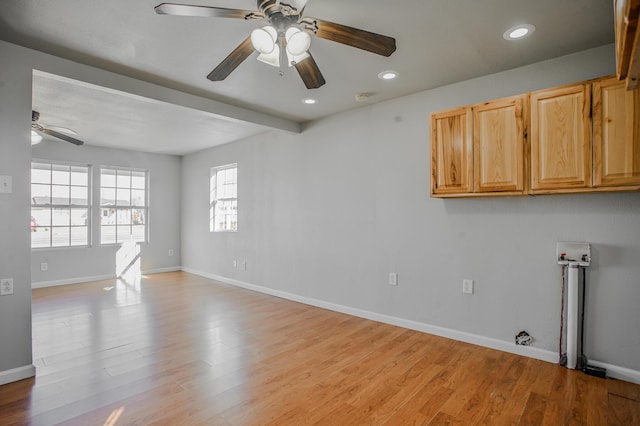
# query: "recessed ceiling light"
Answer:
x=388 y=75
x=518 y=32
x=309 y=101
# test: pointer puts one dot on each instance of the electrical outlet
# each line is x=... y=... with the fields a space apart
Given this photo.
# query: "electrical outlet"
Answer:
x=467 y=286
x=393 y=278
x=170 y=252
x=244 y=265
x=6 y=286
x=44 y=266
x=6 y=185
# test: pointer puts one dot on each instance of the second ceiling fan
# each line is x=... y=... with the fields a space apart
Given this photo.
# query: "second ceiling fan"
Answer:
x=285 y=38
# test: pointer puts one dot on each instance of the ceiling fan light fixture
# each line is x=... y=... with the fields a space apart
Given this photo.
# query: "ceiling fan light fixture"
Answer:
x=35 y=138
x=264 y=39
x=296 y=59
x=298 y=41
x=272 y=58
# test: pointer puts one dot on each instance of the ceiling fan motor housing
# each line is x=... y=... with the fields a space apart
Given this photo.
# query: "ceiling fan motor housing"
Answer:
x=273 y=7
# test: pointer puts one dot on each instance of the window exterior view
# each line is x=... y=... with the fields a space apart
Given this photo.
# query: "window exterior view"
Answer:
x=223 y=200
x=123 y=205
x=60 y=210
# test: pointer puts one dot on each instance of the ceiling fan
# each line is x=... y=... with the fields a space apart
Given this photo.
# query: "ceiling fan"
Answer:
x=285 y=38
x=37 y=128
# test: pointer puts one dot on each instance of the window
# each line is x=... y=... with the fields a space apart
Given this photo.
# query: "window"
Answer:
x=60 y=213
x=123 y=205
x=223 y=199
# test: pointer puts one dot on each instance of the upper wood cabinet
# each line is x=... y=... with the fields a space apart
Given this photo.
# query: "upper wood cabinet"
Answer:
x=499 y=138
x=627 y=14
x=583 y=137
x=479 y=150
x=616 y=134
x=561 y=139
x=451 y=152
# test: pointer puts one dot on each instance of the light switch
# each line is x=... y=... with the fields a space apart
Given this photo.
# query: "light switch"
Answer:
x=6 y=186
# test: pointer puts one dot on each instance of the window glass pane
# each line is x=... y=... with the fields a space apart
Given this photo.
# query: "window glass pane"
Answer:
x=108 y=197
x=138 y=233
x=123 y=233
x=137 y=197
x=123 y=197
x=108 y=178
x=60 y=194
x=79 y=236
x=40 y=216
x=124 y=179
x=60 y=217
x=79 y=196
x=223 y=208
x=117 y=211
x=108 y=234
x=79 y=176
x=137 y=216
x=108 y=216
x=40 y=173
x=138 y=180
x=52 y=194
x=124 y=217
x=40 y=194
x=60 y=236
x=79 y=217
x=60 y=174
x=41 y=237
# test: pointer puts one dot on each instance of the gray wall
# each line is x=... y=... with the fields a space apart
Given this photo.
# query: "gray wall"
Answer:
x=16 y=67
x=329 y=213
x=81 y=264
x=15 y=157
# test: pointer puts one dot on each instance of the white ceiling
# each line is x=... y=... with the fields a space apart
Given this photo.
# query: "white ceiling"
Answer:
x=438 y=42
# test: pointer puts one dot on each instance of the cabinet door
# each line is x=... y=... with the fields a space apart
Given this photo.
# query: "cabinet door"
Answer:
x=451 y=152
x=561 y=138
x=499 y=138
x=616 y=134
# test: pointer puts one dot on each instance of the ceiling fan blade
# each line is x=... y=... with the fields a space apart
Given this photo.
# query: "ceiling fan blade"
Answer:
x=310 y=73
x=62 y=136
x=232 y=61
x=206 y=11
x=354 y=37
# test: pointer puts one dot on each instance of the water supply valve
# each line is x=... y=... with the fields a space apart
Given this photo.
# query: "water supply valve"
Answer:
x=572 y=253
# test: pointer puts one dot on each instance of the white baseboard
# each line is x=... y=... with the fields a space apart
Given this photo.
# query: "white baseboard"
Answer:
x=616 y=372
x=80 y=280
x=528 y=351
x=161 y=270
x=43 y=284
x=16 y=374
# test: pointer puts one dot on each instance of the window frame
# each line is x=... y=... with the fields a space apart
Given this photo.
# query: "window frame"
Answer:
x=130 y=207
x=214 y=199
x=51 y=205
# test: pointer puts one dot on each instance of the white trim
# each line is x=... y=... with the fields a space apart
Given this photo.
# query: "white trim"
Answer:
x=15 y=374
x=161 y=270
x=81 y=280
x=55 y=283
x=528 y=351
x=616 y=372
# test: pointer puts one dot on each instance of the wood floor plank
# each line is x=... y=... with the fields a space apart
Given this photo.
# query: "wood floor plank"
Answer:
x=623 y=411
x=175 y=348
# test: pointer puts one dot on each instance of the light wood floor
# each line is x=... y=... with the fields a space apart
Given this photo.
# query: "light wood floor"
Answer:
x=181 y=349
